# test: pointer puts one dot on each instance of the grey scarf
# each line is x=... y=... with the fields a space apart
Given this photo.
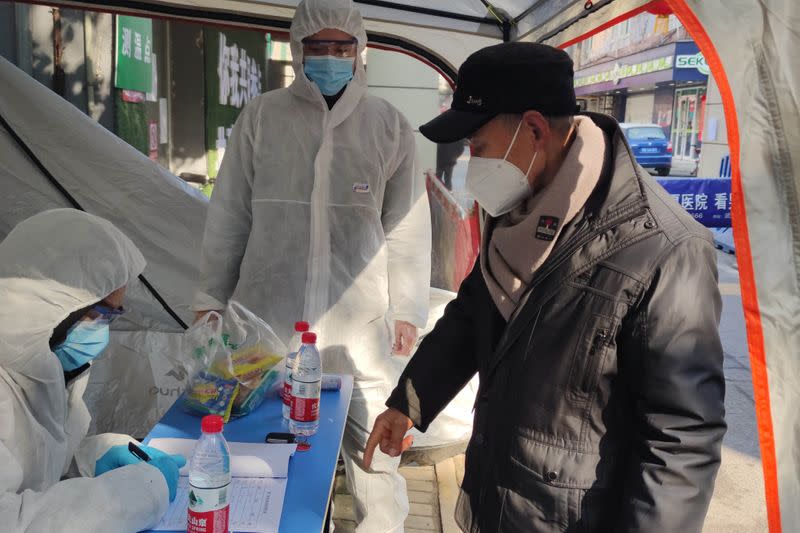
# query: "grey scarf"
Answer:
x=515 y=245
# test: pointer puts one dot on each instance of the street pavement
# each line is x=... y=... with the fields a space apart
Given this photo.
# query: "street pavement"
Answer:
x=739 y=503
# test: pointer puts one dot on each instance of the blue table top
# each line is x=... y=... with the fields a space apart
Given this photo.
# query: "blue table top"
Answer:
x=311 y=473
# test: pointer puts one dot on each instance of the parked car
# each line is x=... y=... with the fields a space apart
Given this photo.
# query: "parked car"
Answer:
x=650 y=146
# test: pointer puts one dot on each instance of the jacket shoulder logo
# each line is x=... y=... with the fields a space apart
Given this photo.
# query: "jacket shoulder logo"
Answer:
x=547 y=228
x=361 y=187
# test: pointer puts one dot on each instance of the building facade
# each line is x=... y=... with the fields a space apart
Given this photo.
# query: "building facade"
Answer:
x=646 y=70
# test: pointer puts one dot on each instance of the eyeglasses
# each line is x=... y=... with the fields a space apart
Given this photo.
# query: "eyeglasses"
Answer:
x=313 y=47
x=106 y=312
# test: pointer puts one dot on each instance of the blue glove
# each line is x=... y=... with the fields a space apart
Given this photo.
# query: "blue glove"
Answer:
x=119 y=456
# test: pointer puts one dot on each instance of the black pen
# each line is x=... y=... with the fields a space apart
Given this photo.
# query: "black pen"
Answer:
x=138 y=452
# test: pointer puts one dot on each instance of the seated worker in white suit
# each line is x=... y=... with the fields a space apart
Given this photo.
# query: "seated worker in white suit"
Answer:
x=63 y=275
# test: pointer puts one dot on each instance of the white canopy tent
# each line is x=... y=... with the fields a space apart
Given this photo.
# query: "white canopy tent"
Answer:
x=750 y=47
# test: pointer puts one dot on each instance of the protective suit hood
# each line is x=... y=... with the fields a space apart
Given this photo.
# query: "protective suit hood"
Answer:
x=51 y=265
x=312 y=16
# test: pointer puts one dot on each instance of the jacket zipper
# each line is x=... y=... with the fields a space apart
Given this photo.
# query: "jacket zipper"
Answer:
x=592 y=362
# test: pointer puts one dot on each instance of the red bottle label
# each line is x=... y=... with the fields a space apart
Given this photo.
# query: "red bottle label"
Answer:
x=208 y=522
x=287 y=393
x=305 y=409
x=208 y=510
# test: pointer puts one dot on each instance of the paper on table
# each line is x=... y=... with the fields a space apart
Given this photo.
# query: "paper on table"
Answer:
x=248 y=459
x=256 y=506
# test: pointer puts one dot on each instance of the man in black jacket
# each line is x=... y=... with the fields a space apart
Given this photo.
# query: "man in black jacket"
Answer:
x=591 y=317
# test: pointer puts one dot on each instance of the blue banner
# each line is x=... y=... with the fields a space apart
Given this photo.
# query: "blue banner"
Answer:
x=707 y=200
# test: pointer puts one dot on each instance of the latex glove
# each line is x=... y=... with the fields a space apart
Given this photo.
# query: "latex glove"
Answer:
x=119 y=456
x=389 y=432
x=405 y=336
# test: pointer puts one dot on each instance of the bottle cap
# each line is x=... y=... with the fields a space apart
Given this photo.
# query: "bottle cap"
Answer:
x=212 y=424
x=301 y=327
x=309 y=338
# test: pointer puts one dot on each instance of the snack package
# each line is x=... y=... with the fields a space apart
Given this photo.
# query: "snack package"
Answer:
x=240 y=357
x=254 y=369
x=211 y=395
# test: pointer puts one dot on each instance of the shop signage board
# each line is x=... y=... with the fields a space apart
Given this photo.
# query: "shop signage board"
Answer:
x=626 y=71
x=133 y=67
x=696 y=61
x=235 y=74
x=707 y=200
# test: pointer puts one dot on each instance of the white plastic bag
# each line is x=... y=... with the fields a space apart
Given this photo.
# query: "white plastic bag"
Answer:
x=234 y=360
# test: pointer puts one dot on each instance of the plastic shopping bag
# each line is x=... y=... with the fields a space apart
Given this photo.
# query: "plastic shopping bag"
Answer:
x=237 y=360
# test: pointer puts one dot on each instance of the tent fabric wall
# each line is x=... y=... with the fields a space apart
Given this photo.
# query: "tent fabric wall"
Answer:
x=759 y=79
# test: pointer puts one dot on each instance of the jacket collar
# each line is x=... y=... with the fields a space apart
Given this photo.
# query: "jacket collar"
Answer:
x=621 y=189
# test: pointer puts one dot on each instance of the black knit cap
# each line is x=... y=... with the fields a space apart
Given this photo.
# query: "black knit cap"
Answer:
x=506 y=78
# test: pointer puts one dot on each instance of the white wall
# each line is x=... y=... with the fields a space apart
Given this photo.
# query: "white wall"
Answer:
x=639 y=107
x=715 y=147
x=413 y=88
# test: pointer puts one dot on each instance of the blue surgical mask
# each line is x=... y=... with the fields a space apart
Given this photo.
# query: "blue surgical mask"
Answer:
x=331 y=74
x=85 y=341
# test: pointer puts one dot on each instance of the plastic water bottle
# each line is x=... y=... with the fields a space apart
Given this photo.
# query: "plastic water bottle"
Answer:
x=306 y=387
x=294 y=347
x=209 y=480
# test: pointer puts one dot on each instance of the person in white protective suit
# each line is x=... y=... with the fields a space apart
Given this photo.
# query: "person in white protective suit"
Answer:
x=63 y=275
x=319 y=214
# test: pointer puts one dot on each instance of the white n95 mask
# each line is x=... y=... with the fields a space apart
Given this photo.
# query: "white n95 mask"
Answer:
x=497 y=185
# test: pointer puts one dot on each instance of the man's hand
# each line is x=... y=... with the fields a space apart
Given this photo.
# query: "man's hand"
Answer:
x=405 y=336
x=389 y=432
x=199 y=315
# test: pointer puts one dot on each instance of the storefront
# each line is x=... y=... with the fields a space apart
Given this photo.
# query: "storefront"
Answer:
x=626 y=88
x=212 y=75
x=665 y=85
x=691 y=76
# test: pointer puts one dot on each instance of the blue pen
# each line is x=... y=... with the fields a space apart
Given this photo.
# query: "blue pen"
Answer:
x=138 y=452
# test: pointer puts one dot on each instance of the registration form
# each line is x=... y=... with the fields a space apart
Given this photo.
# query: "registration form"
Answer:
x=257 y=489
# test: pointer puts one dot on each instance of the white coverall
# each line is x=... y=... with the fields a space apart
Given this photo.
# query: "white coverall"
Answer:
x=320 y=215
x=51 y=265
